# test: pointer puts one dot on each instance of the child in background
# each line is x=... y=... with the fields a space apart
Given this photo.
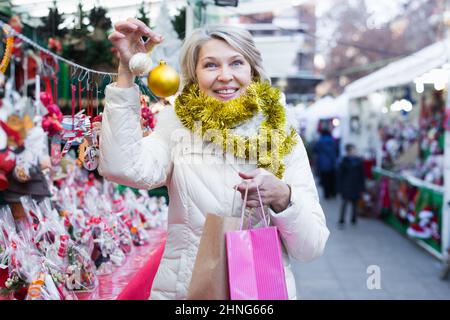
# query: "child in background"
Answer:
x=350 y=181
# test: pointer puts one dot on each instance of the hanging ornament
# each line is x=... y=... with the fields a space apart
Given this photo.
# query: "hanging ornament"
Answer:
x=55 y=151
x=90 y=161
x=163 y=80
x=96 y=128
x=141 y=63
x=88 y=152
x=74 y=129
x=81 y=153
x=21 y=171
x=18 y=131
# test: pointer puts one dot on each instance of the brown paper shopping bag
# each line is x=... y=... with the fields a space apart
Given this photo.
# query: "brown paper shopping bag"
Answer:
x=210 y=276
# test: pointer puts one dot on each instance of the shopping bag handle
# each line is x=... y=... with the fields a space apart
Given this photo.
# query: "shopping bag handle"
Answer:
x=234 y=197
x=243 y=206
x=261 y=207
x=260 y=211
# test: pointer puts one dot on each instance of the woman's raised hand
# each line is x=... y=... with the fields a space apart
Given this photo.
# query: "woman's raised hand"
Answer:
x=127 y=38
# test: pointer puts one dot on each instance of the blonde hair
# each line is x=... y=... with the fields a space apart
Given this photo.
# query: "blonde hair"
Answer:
x=239 y=39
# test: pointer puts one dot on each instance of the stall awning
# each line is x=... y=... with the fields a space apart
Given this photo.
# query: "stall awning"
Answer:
x=324 y=108
x=402 y=71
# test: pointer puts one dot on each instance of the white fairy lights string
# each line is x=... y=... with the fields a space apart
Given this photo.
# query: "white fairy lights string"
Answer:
x=75 y=66
x=19 y=35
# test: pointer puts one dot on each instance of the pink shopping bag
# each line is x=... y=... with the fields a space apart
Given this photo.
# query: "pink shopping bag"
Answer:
x=255 y=267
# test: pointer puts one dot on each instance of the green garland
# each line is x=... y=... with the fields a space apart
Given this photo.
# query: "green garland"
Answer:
x=193 y=106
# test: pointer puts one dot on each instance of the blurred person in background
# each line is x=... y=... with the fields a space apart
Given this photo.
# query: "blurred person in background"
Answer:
x=351 y=182
x=326 y=155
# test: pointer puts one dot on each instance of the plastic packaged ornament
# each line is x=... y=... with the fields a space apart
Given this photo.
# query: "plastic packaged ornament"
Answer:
x=163 y=80
x=96 y=128
x=43 y=287
x=88 y=154
x=80 y=275
x=125 y=239
x=21 y=171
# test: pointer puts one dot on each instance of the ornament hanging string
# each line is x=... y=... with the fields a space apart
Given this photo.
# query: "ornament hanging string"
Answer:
x=48 y=86
x=88 y=101
x=55 y=89
x=96 y=100
x=73 y=105
x=80 y=91
x=89 y=104
x=37 y=92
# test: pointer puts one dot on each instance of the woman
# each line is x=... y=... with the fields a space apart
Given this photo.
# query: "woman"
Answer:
x=219 y=66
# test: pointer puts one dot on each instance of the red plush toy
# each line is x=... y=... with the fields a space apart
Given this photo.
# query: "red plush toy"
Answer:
x=51 y=122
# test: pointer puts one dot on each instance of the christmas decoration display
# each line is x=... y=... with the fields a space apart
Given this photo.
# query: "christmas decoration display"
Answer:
x=62 y=226
x=422 y=140
x=396 y=140
x=63 y=245
x=411 y=177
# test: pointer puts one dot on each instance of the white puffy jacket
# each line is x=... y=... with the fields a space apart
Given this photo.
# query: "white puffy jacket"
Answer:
x=199 y=181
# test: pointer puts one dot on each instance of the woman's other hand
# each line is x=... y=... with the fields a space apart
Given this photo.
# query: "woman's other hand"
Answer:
x=274 y=192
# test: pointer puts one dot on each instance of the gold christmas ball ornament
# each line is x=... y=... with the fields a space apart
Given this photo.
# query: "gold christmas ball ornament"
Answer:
x=163 y=80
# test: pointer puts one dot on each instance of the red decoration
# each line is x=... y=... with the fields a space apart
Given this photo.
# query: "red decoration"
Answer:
x=3 y=277
x=55 y=45
x=51 y=122
x=7 y=163
x=148 y=117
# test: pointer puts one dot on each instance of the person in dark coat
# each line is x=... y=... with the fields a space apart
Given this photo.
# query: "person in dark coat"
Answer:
x=326 y=154
x=351 y=182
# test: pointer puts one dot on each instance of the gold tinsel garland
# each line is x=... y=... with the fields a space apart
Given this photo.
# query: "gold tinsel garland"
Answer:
x=193 y=106
x=7 y=54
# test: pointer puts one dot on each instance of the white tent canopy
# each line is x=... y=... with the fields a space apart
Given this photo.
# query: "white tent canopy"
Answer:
x=402 y=71
x=324 y=108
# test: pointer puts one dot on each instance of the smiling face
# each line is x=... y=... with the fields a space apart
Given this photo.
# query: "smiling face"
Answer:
x=222 y=72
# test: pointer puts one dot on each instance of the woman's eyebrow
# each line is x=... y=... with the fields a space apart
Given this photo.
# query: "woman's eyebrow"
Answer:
x=215 y=58
x=208 y=57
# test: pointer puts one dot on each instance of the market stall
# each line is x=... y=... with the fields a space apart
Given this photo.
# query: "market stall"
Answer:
x=399 y=114
x=65 y=232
